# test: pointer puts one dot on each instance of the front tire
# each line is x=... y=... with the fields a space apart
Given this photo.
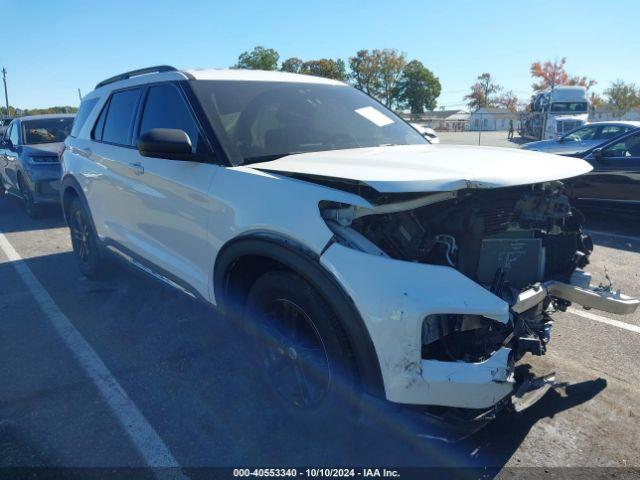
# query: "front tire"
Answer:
x=86 y=247
x=301 y=352
x=33 y=210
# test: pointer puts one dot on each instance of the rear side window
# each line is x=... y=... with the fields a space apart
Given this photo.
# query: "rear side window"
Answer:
x=120 y=117
x=166 y=108
x=86 y=107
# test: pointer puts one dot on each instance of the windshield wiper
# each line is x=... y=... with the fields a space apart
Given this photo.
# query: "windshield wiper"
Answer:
x=268 y=158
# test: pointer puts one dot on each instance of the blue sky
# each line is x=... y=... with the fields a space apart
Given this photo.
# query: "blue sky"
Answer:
x=55 y=47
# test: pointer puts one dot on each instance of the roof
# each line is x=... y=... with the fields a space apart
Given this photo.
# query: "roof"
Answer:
x=633 y=123
x=168 y=73
x=442 y=113
x=257 y=75
x=46 y=115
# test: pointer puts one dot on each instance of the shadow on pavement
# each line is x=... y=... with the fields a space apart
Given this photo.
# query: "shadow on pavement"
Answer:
x=17 y=220
x=517 y=140
x=495 y=445
x=187 y=369
x=613 y=227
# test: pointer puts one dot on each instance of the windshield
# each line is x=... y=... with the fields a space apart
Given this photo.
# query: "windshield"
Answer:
x=261 y=121
x=572 y=107
x=46 y=130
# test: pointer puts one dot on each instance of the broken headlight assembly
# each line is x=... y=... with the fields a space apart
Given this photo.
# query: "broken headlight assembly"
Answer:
x=467 y=338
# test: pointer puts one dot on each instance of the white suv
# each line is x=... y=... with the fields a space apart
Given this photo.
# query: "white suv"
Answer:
x=360 y=254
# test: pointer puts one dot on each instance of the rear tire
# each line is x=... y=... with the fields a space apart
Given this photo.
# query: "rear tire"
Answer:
x=33 y=210
x=86 y=246
x=301 y=352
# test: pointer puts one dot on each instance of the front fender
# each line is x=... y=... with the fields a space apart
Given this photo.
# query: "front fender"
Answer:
x=393 y=298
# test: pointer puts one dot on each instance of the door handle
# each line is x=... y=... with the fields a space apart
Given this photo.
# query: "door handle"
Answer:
x=137 y=168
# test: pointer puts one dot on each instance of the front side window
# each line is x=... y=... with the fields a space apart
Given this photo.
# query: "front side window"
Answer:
x=259 y=121
x=166 y=108
x=629 y=147
x=120 y=117
x=85 y=109
x=582 y=134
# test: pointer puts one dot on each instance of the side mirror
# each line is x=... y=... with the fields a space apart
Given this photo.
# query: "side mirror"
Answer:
x=169 y=143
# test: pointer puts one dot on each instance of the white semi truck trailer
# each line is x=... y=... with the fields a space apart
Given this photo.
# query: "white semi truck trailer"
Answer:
x=555 y=112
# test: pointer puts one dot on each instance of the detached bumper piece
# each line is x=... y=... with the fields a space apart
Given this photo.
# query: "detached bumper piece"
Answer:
x=578 y=291
x=531 y=390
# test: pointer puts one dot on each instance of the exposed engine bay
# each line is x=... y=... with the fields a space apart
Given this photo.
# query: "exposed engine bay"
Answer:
x=507 y=240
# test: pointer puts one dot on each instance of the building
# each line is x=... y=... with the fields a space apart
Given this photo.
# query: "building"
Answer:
x=442 y=120
x=492 y=119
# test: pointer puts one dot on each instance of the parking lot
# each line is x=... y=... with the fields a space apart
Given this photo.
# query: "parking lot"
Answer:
x=185 y=393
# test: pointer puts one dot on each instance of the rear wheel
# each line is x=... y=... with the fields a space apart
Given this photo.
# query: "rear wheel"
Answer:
x=86 y=249
x=33 y=210
x=301 y=351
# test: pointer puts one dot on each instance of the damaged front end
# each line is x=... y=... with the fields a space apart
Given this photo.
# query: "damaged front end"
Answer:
x=522 y=247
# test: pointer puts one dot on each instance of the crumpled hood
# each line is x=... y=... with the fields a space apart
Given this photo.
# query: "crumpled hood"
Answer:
x=430 y=168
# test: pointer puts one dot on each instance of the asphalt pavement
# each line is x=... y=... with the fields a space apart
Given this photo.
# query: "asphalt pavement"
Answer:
x=125 y=372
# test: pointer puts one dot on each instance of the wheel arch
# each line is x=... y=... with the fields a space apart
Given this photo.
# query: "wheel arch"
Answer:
x=70 y=188
x=261 y=252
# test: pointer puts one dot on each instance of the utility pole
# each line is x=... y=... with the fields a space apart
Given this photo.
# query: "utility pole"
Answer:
x=6 y=95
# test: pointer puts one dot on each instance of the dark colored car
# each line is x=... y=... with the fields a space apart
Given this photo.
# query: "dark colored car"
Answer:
x=4 y=124
x=615 y=176
x=29 y=164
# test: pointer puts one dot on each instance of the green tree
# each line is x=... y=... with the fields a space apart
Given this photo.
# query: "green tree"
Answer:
x=325 y=67
x=391 y=66
x=365 y=71
x=622 y=97
x=483 y=92
x=596 y=101
x=418 y=88
x=292 y=65
x=259 y=58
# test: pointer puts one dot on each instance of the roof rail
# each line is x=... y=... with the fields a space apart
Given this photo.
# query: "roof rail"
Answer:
x=136 y=73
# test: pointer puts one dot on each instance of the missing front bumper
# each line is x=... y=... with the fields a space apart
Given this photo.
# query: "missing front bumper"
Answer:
x=456 y=424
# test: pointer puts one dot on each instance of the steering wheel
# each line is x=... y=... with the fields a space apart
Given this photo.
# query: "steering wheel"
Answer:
x=342 y=140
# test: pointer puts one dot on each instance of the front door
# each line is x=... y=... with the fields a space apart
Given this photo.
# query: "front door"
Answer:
x=173 y=223
x=616 y=172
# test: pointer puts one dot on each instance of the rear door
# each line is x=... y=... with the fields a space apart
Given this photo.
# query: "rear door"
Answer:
x=616 y=172
x=110 y=188
x=172 y=226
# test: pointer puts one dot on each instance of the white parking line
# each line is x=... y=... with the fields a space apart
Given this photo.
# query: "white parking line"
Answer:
x=608 y=321
x=614 y=235
x=147 y=442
